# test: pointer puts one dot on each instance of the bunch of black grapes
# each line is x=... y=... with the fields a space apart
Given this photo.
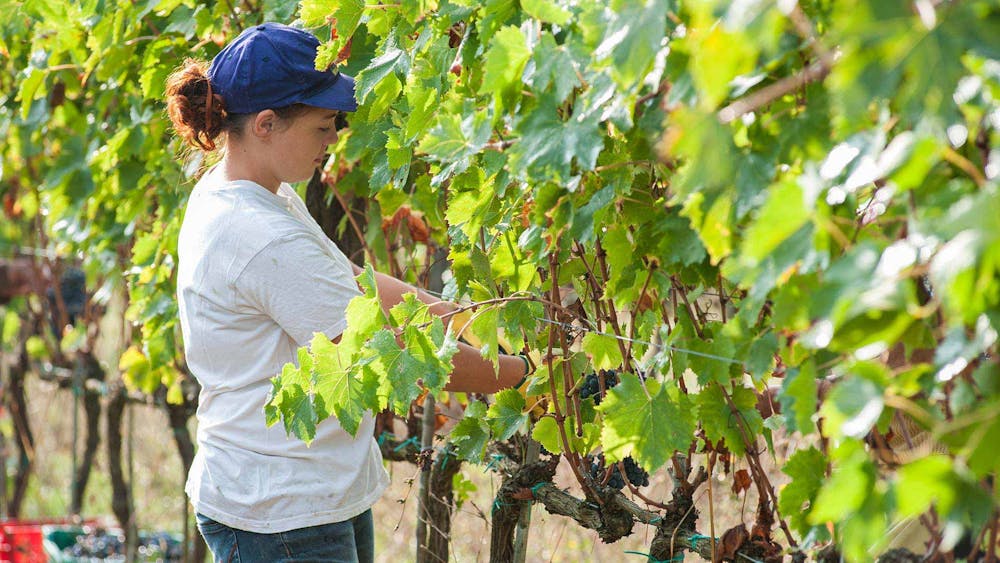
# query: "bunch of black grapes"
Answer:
x=636 y=475
x=99 y=544
x=592 y=386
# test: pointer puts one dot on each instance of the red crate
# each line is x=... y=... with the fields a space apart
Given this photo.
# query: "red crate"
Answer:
x=21 y=542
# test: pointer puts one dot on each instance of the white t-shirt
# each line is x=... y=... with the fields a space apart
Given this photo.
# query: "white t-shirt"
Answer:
x=256 y=278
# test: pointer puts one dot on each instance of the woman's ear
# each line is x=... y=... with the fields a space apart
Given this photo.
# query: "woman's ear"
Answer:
x=263 y=123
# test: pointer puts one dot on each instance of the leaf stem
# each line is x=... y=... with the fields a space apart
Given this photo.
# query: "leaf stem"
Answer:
x=965 y=165
x=754 y=101
x=354 y=224
x=600 y=255
x=635 y=490
x=695 y=318
x=571 y=457
x=635 y=311
x=765 y=489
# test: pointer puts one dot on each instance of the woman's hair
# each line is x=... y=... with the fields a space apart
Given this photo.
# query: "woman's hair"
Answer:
x=199 y=116
x=195 y=119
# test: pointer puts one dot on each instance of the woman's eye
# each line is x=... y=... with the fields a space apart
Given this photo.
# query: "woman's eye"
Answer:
x=324 y=129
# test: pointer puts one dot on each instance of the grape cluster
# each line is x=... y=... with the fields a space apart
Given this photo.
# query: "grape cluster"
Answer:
x=160 y=547
x=98 y=544
x=592 y=387
x=636 y=475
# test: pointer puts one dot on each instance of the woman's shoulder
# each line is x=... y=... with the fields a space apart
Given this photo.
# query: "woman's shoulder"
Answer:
x=236 y=220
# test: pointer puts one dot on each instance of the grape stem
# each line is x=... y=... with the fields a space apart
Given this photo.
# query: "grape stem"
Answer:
x=764 y=487
x=635 y=490
x=573 y=458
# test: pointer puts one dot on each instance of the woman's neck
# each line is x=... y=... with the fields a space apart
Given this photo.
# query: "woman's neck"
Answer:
x=239 y=164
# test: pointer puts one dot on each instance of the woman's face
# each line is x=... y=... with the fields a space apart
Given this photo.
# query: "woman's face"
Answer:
x=299 y=144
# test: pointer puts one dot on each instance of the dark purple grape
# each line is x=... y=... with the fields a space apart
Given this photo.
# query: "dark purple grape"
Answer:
x=592 y=385
x=636 y=475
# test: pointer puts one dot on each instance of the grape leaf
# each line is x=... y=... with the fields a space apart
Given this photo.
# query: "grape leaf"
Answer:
x=471 y=433
x=720 y=422
x=546 y=10
x=546 y=432
x=549 y=146
x=807 y=468
x=506 y=414
x=798 y=398
x=603 y=350
x=505 y=59
x=632 y=39
x=648 y=428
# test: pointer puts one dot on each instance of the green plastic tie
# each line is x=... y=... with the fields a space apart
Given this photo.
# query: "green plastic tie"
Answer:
x=383 y=436
x=445 y=453
x=411 y=440
x=497 y=505
x=534 y=490
x=694 y=540
x=493 y=462
x=675 y=559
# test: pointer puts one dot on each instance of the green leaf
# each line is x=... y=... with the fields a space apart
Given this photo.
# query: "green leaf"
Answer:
x=716 y=230
x=548 y=146
x=632 y=39
x=505 y=59
x=365 y=317
x=485 y=328
x=798 y=398
x=853 y=407
x=298 y=413
x=783 y=214
x=546 y=432
x=648 y=428
x=397 y=368
x=392 y=60
x=175 y=393
x=546 y=10
x=717 y=57
x=10 y=329
x=508 y=263
x=603 y=351
x=471 y=433
x=34 y=78
x=337 y=390
x=421 y=103
x=506 y=415
x=345 y=13
x=137 y=370
x=454 y=138
x=807 y=468
x=761 y=355
x=844 y=492
x=36 y=348
x=924 y=482
x=720 y=422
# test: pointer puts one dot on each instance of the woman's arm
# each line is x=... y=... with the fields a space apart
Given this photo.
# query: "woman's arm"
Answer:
x=391 y=292
x=473 y=373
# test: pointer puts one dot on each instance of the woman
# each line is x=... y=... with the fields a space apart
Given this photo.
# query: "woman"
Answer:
x=256 y=279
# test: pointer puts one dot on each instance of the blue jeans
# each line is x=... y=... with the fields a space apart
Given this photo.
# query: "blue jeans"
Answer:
x=351 y=541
